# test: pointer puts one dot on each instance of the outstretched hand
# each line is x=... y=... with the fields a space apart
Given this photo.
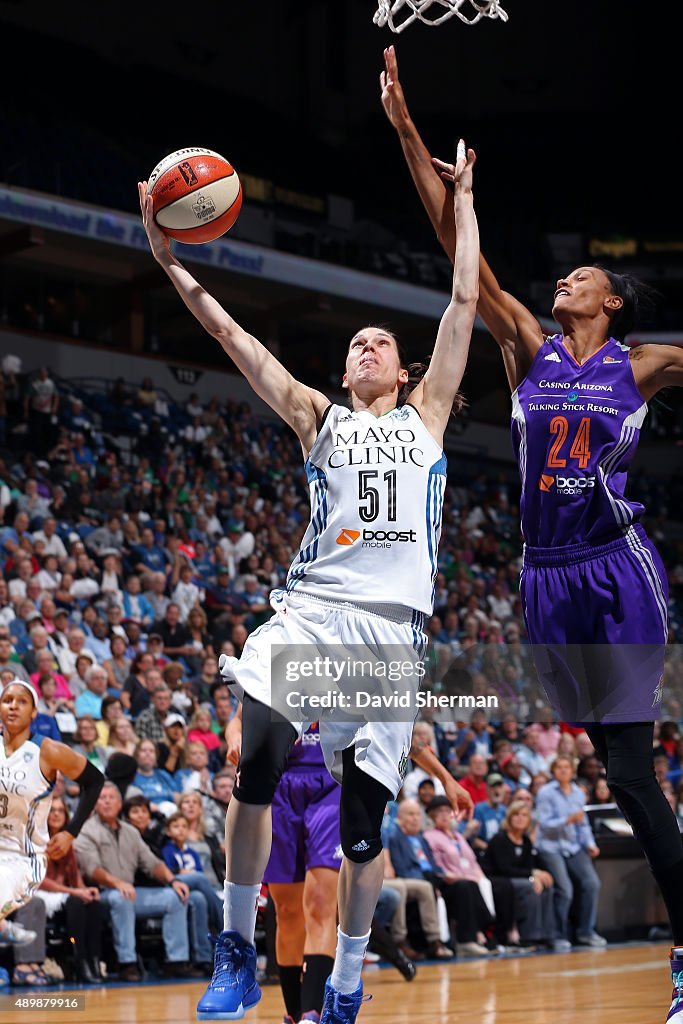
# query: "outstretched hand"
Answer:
x=159 y=242
x=460 y=173
x=393 y=100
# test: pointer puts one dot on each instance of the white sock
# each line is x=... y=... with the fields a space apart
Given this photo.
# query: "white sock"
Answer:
x=678 y=952
x=239 y=909
x=348 y=962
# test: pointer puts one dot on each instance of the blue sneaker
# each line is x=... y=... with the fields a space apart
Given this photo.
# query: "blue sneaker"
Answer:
x=4 y=977
x=676 y=1011
x=343 y=1009
x=233 y=988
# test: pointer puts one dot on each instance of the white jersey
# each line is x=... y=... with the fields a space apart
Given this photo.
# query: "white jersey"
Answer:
x=377 y=487
x=24 y=802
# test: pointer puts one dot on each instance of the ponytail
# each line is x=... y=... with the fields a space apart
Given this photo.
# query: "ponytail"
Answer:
x=416 y=372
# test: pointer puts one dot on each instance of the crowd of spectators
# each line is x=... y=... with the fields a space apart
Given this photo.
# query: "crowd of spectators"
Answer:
x=124 y=577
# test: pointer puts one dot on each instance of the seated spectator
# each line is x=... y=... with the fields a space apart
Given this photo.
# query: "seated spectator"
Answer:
x=200 y=731
x=528 y=754
x=67 y=656
x=148 y=556
x=476 y=739
x=513 y=774
x=588 y=771
x=601 y=793
x=475 y=780
x=510 y=855
x=200 y=640
x=63 y=890
x=97 y=638
x=567 y=847
x=155 y=593
x=150 y=723
x=122 y=737
x=112 y=866
x=117 y=666
x=410 y=868
x=461 y=880
x=156 y=784
x=155 y=647
x=216 y=804
x=45 y=672
x=207 y=844
x=489 y=813
x=135 y=604
x=84 y=661
x=137 y=810
x=10 y=660
x=207 y=908
x=201 y=684
x=90 y=701
x=135 y=695
x=195 y=774
x=176 y=636
x=87 y=742
x=186 y=594
x=172 y=751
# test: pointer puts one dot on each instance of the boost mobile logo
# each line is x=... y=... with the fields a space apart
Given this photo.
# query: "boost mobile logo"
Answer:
x=348 y=537
x=566 y=484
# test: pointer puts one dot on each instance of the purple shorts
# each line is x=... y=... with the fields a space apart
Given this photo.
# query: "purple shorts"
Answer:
x=597 y=619
x=305 y=826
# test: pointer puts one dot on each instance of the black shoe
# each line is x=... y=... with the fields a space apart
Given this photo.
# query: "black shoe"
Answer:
x=95 y=970
x=83 y=972
x=181 y=969
x=404 y=965
x=129 y=972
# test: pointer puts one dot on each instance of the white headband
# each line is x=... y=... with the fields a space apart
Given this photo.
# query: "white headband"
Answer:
x=28 y=686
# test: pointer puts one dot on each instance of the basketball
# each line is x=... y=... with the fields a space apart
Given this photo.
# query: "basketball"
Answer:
x=197 y=195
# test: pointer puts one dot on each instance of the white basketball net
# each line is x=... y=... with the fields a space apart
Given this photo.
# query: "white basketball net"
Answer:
x=398 y=14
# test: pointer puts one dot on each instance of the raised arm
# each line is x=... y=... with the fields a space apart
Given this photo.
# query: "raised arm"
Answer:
x=656 y=367
x=514 y=328
x=299 y=406
x=434 y=395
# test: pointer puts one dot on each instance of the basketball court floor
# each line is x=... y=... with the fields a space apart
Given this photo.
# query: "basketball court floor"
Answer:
x=620 y=985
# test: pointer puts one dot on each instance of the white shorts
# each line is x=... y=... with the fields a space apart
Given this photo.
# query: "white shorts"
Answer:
x=308 y=627
x=19 y=878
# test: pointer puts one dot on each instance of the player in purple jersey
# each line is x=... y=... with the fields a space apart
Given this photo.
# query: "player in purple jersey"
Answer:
x=593 y=586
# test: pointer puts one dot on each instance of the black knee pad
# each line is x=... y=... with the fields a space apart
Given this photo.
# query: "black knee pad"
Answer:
x=363 y=801
x=267 y=739
x=358 y=846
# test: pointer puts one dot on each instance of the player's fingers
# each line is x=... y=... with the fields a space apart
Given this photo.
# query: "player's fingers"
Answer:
x=442 y=165
x=471 y=157
x=392 y=60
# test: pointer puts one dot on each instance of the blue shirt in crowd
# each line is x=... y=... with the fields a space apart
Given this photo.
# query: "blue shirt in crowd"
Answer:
x=553 y=807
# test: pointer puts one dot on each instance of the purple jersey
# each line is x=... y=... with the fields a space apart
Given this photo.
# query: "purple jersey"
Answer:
x=575 y=429
x=306 y=754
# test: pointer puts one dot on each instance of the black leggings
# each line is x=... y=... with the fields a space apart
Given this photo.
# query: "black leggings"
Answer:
x=626 y=751
x=267 y=739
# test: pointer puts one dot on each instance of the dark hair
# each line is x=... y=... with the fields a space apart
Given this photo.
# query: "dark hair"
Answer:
x=416 y=372
x=176 y=816
x=637 y=296
x=136 y=801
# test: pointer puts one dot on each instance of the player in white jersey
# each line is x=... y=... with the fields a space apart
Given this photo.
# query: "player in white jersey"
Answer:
x=27 y=776
x=364 y=578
